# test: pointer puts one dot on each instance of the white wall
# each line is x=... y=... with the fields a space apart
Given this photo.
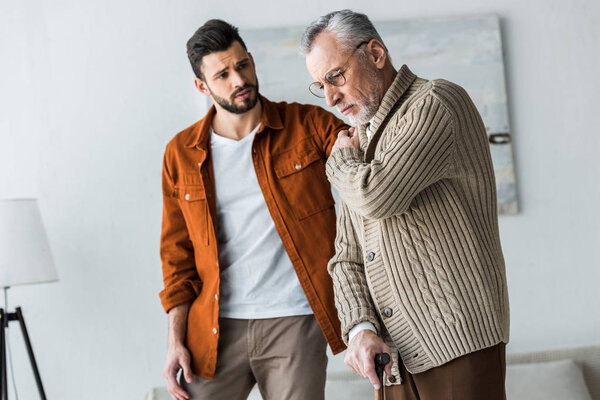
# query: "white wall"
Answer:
x=90 y=92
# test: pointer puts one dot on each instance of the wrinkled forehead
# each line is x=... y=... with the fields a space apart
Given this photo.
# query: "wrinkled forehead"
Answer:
x=326 y=54
x=219 y=60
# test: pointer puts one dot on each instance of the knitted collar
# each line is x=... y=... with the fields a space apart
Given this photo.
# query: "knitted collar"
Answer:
x=404 y=78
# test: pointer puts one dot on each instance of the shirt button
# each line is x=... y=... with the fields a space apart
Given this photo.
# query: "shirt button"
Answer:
x=388 y=312
x=187 y=196
x=215 y=331
x=298 y=166
x=370 y=256
x=391 y=379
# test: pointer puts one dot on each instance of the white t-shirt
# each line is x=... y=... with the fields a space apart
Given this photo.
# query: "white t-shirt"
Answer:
x=257 y=276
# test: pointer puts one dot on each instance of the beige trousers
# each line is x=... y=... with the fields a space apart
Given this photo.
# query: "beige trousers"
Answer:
x=284 y=356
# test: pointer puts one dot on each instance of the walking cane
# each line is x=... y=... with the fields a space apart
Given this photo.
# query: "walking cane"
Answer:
x=381 y=360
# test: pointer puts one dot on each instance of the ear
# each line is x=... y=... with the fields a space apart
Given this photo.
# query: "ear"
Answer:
x=201 y=86
x=377 y=53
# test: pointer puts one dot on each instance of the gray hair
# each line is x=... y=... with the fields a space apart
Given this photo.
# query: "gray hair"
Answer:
x=351 y=28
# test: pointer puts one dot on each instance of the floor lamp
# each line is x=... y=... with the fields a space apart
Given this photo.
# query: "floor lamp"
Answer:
x=25 y=259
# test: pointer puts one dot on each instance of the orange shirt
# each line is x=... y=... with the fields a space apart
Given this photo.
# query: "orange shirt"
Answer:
x=289 y=153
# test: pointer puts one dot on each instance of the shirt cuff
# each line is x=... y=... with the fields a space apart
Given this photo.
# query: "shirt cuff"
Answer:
x=180 y=293
x=365 y=325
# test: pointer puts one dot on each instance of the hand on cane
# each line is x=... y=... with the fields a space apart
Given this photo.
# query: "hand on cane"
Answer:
x=381 y=360
x=360 y=356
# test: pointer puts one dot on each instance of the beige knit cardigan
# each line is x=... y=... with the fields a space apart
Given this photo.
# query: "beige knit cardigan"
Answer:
x=417 y=248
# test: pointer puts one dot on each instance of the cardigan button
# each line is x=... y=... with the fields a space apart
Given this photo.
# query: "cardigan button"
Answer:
x=370 y=256
x=298 y=167
x=388 y=312
x=215 y=331
x=391 y=379
x=187 y=196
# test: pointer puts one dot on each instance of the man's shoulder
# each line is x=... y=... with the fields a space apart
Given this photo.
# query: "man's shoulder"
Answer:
x=445 y=91
x=186 y=137
x=448 y=94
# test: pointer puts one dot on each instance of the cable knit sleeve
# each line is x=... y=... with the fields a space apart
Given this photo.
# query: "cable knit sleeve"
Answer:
x=418 y=155
x=352 y=297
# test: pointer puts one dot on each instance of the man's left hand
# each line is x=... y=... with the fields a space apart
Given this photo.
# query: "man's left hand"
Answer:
x=347 y=138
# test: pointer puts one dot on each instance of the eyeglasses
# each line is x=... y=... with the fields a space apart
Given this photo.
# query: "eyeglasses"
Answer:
x=334 y=77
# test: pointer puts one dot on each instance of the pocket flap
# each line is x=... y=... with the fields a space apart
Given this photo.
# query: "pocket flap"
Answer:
x=292 y=162
x=191 y=194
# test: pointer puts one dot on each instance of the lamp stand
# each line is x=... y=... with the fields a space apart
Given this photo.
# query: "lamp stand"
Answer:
x=5 y=318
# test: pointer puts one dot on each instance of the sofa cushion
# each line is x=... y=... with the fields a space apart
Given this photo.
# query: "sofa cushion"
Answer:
x=555 y=380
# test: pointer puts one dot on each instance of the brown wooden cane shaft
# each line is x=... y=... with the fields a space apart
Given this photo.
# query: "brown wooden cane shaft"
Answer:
x=380 y=394
x=380 y=361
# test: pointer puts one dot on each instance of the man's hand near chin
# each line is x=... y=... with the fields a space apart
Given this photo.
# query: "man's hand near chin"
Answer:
x=347 y=138
x=360 y=356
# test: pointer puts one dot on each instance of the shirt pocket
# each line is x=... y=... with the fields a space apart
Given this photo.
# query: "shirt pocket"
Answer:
x=192 y=200
x=301 y=175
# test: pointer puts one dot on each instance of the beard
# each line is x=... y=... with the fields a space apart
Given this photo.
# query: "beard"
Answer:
x=231 y=106
x=367 y=104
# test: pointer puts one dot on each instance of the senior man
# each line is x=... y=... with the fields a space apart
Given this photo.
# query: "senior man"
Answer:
x=418 y=270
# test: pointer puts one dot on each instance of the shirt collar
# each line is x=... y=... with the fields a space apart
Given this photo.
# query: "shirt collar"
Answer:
x=404 y=78
x=201 y=133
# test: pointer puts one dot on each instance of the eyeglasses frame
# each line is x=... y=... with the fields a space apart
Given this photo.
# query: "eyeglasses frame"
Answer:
x=320 y=87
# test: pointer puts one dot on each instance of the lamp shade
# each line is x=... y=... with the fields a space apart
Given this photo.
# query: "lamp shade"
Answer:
x=24 y=251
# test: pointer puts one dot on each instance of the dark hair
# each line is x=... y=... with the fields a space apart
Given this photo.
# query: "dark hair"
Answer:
x=214 y=36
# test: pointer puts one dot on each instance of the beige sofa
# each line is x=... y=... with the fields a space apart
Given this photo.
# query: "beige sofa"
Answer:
x=564 y=374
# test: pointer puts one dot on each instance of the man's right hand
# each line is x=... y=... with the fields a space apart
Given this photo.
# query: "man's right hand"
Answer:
x=347 y=138
x=178 y=357
x=360 y=356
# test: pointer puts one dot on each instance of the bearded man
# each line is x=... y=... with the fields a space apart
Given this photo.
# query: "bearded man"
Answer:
x=248 y=229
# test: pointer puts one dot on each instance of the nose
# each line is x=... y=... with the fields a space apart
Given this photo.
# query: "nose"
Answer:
x=237 y=80
x=332 y=95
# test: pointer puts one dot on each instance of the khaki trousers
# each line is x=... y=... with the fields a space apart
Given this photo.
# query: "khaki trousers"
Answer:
x=284 y=356
x=476 y=376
